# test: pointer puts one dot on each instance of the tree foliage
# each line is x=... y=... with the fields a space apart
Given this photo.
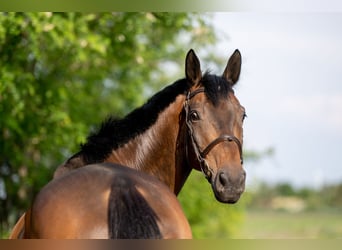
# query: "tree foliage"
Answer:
x=63 y=73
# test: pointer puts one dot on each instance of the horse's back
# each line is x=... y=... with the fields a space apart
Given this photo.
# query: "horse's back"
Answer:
x=69 y=204
x=106 y=201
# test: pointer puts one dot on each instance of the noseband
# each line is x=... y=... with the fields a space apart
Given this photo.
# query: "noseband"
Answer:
x=202 y=154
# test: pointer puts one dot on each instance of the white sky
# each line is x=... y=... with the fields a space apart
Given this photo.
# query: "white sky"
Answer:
x=291 y=86
x=288 y=5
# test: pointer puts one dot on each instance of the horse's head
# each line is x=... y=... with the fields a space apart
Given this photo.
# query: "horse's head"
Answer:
x=214 y=120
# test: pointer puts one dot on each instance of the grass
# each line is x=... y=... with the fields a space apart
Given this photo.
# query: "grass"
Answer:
x=285 y=225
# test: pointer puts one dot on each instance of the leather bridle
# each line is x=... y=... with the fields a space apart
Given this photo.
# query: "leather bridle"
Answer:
x=201 y=154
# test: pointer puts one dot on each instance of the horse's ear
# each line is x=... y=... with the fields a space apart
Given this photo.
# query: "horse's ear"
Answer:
x=192 y=68
x=233 y=68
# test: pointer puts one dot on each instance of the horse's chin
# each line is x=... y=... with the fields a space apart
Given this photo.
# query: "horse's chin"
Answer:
x=227 y=195
x=229 y=199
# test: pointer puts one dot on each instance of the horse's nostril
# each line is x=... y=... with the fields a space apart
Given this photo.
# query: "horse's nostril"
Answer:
x=223 y=179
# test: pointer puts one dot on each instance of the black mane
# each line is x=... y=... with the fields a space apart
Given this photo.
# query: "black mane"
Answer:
x=114 y=133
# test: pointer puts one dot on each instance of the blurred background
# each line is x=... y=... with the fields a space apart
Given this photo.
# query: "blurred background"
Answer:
x=61 y=74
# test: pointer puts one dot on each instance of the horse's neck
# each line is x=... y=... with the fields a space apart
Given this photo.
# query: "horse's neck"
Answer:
x=157 y=150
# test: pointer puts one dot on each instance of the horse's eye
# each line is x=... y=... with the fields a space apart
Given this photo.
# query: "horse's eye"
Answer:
x=194 y=116
x=244 y=116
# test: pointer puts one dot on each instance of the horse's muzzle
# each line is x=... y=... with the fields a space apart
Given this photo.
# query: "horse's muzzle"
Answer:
x=227 y=186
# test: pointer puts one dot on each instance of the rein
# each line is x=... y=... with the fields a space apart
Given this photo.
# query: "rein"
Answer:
x=202 y=154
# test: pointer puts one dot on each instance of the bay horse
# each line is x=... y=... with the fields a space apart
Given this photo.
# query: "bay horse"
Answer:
x=194 y=123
